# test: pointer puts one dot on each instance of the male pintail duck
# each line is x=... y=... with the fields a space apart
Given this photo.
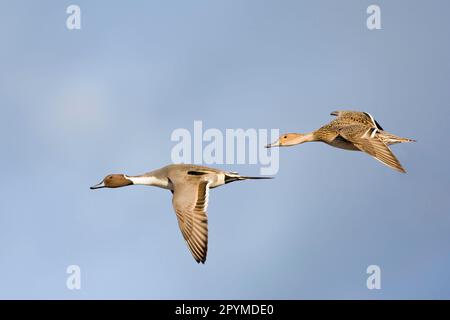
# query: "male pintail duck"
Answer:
x=190 y=186
x=351 y=130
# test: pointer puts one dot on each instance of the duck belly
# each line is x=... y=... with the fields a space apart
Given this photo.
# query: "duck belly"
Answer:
x=343 y=144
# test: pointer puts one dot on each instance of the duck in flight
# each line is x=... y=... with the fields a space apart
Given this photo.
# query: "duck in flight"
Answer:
x=190 y=186
x=351 y=130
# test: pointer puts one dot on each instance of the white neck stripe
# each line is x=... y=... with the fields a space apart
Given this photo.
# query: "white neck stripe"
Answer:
x=148 y=181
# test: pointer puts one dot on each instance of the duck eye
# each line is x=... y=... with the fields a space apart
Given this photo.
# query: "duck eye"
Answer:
x=285 y=137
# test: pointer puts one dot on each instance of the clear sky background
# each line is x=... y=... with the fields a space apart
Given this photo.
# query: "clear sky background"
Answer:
x=77 y=105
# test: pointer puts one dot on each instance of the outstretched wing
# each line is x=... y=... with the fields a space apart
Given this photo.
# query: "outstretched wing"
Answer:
x=357 y=117
x=190 y=202
x=365 y=140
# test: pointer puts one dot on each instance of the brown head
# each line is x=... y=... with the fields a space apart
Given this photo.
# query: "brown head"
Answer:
x=291 y=139
x=113 y=181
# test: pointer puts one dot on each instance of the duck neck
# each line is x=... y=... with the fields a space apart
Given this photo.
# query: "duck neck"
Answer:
x=304 y=137
x=148 y=181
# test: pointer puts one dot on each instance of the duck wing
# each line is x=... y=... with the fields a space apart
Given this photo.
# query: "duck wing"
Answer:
x=357 y=117
x=190 y=202
x=364 y=139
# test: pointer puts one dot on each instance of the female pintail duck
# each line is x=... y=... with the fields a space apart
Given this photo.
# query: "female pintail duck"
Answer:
x=351 y=130
x=190 y=186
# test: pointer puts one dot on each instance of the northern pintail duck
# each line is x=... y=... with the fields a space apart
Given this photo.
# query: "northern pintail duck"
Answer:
x=190 y=186
x=351 y=130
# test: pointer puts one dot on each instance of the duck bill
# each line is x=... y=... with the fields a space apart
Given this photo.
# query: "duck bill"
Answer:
x=98 y=186
x=275 y=144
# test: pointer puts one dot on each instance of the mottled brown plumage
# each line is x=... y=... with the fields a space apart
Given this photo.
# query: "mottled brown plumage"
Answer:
x=351 y=130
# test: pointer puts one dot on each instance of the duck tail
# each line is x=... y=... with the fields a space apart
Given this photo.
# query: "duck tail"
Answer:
x=255 y=178
x=393 y=139
x=232 y=176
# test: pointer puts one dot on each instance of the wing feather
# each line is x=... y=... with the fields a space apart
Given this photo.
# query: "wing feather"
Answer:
x=371 y=144
x=190 y=202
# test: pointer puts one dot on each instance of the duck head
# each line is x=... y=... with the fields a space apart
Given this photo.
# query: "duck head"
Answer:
x=113 y=181
x=290 y=139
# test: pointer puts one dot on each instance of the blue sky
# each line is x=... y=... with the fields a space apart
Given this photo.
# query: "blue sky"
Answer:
x=77 y=105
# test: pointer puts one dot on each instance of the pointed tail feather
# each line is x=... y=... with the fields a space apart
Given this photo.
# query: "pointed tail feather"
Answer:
x=400 y=139
x=389 y=138
x=254 y=178
x=230 y=177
